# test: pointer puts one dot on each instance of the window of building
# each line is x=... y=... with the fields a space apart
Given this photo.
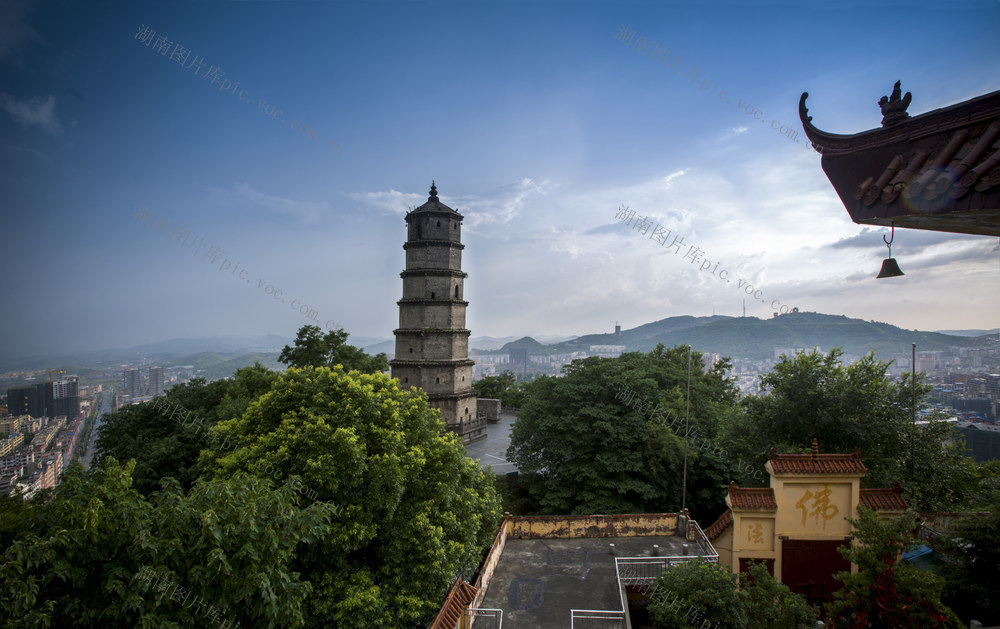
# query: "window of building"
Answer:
x=456 y=291
x=432 y=294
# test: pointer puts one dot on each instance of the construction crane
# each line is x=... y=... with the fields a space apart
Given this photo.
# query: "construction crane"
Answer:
x=58 y=371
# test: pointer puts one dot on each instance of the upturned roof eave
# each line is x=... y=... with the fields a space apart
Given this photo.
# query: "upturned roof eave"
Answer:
x=977 y=110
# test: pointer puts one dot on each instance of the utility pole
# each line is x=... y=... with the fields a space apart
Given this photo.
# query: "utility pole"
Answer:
x=687 y=425
x=913 y=407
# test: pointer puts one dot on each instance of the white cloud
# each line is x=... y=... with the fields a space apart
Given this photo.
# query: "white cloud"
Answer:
x=36 y=111
x=308 y=212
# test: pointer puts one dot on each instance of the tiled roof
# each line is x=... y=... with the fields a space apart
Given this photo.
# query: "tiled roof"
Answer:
x=719 y=526
x=459 y=597
x=884 y=499
x=939 y=170
x=815 y=463
x=754 y=498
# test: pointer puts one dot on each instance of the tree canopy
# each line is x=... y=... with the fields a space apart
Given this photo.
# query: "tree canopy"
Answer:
x=583 y=448
x=855 y=406
x=315 y=349
x=886 y=593
x=99 y=554
x=165 y=436
x=371 y=509
x=414 y=510
x=698 y=593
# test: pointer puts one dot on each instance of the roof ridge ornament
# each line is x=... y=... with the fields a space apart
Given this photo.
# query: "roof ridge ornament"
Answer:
x=434 y=192
x=894 y=107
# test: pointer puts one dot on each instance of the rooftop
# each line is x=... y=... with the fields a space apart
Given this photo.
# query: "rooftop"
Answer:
x=816 y=463
x=541 y=568
x=937 y=171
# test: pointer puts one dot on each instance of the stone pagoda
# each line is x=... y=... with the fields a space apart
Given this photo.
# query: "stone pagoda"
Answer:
x=432 y=342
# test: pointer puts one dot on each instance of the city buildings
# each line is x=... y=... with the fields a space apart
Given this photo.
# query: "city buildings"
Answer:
x=155 y=381
x=132 y=380
x=33 y=399
x=66 y=397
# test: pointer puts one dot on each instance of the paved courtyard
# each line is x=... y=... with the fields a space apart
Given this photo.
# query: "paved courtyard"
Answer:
x=492 y=450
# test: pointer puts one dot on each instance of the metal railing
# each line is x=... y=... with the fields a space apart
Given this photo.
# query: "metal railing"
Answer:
x=487 y=618
x=643 y=571
x=596 y=619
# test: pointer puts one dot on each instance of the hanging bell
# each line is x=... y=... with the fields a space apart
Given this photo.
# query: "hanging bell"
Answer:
x=889 y=269
x=889 y=266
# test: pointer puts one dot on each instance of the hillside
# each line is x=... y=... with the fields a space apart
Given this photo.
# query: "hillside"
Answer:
x=748 y=337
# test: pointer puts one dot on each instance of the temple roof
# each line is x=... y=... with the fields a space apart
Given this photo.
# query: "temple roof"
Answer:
x=884 y=499
x=752 y=498
x=938 y=171
x=815 y=463
x=719 y=527
x=458 y=598
x=434 y=204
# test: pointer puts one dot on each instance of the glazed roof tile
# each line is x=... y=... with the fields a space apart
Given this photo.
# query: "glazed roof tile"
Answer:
x=884 y=499
x=816 y=463
x=719 y=526
x=752 y=498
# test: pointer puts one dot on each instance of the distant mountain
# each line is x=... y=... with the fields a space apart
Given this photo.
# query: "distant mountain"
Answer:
x=217 y=366
x=749 y=337
x=386 y=347
x=970 y=332
x=217 y=344
x=527 y=343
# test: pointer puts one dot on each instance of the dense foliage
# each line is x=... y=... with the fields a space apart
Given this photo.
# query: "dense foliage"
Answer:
x=99 y=554
x=699 y=594
x=165 y=437
x=855 y=406
x=315 y=349
x=415 y=511
x=371 y=510
x=503 y=387
x=972 y=546
x=581 y=447
x=885 y=592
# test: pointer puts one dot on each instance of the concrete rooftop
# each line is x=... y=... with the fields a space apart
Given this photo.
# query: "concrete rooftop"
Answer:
x=538 y=581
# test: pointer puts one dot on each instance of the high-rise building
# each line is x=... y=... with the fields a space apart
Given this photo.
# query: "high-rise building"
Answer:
x=34 y=399
x=432 y=343
x=66 y=397
x=133 y=382
x=155 y=381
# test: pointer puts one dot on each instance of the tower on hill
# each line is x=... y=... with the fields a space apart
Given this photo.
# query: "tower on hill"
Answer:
x=432 y=343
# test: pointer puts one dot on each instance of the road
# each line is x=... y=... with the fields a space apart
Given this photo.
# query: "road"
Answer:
x=106 y=399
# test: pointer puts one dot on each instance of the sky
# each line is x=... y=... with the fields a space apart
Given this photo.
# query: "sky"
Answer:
x=191 y=169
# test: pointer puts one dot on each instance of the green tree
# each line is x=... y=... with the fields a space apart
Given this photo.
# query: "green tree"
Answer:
x=772 y=605
x=98 y=549
x=164 y=436
x=584 y=447
x=315 y=349
x=698 y=593
x=886 y=593
x=694 y=592
x=972 y=546
x=854 y=406
x=503 y=387
x=494 y=386
x=413 y=511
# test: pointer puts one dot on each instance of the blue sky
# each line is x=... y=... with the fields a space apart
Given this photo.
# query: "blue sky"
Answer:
x=535 y=121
